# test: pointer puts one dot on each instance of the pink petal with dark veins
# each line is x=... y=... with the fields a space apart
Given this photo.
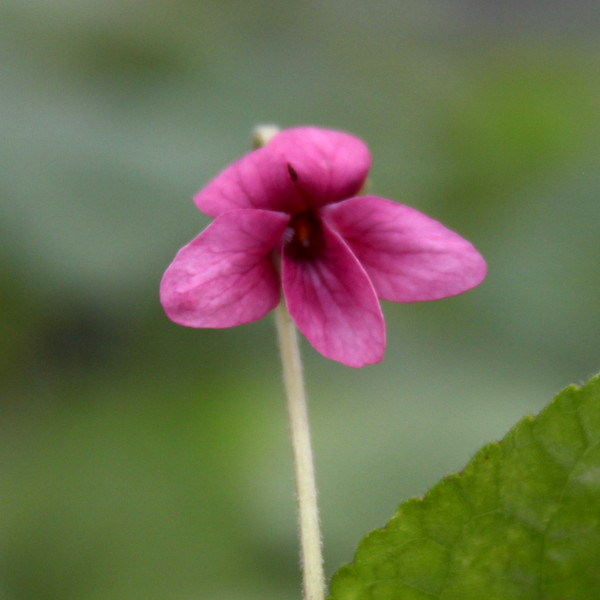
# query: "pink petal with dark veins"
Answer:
x=408 y=256
x=226 y=276
x=327 y=166
x=261 y=180
x=333 y=303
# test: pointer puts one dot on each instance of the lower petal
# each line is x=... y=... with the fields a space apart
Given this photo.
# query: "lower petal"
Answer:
x=226 y=276
x=333 y=303
x=408 y=256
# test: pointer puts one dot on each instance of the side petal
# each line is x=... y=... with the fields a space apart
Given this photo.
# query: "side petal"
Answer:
x=333 y=303
x=408 y=256
x=225 y=276
x=327 y=166
x=260 y=180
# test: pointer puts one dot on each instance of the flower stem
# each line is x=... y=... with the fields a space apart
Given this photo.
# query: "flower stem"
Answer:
x=306 y=490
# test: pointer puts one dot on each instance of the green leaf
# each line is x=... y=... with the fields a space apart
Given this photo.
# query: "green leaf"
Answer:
x=521 y=521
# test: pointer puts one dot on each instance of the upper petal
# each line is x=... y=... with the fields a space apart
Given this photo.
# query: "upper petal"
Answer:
x=225 y=276
x=328 y=165
x=261 y=180
x=408 y=256
x=333 y=303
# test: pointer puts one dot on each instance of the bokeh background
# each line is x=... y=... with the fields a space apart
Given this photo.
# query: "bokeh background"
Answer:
x=139 y=459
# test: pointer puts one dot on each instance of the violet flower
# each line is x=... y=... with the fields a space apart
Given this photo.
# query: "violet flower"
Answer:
x=289 y=216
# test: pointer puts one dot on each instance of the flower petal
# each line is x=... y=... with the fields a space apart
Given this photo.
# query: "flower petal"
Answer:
x=260 y=179
x=333 y=303
x=226 y=276
x=408 y=256
x=328 y=165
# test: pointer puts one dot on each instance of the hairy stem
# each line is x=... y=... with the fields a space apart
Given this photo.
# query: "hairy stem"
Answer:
x=306 y=490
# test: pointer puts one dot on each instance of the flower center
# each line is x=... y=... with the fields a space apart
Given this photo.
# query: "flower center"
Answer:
x=304 y=238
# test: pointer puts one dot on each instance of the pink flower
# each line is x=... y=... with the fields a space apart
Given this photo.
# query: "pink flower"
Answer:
x=289 y=217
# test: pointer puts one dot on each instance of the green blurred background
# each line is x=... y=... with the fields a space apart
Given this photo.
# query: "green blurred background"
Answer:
x=139 y=459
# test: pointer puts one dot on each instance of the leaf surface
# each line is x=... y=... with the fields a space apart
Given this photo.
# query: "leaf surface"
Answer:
x=521 y=521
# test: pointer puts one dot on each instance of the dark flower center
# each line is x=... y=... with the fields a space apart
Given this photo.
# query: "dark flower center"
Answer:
x=304 y=238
